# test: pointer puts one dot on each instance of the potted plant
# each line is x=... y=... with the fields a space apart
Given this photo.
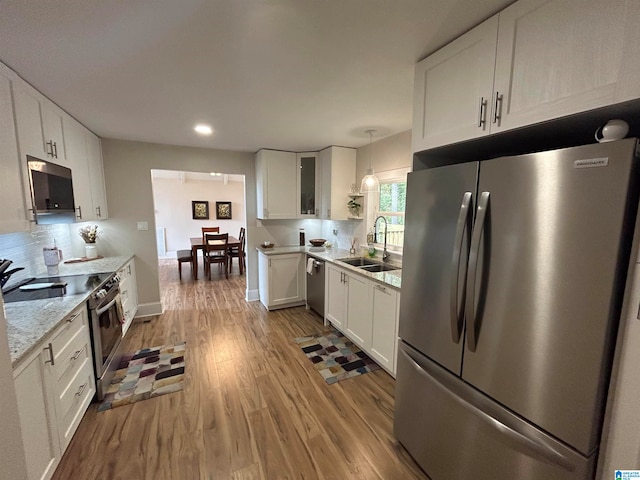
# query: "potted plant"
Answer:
x=90 y=234
x=354 y=207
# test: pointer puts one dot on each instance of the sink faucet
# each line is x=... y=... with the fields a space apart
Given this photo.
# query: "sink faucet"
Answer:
x=385 y=254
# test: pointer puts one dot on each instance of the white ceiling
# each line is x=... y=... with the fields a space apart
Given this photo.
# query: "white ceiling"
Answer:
x=284 y=74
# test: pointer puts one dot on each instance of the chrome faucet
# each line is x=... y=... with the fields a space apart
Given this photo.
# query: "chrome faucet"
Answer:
x=385 y=254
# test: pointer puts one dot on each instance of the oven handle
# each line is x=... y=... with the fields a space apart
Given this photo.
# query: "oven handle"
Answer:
x=101 y=310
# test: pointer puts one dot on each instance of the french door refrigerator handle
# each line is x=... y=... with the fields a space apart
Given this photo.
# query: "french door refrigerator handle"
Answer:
x=536 y=447
x=470 y=304
x=457 y=313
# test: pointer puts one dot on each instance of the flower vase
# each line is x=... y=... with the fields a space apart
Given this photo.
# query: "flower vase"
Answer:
x=90 y=251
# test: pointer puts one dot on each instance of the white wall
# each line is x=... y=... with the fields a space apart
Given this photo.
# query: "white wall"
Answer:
x=127 y=168
x=172 y=199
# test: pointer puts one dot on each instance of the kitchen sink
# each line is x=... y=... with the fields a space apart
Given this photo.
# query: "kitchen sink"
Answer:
x=358 y=261
x=378 y=268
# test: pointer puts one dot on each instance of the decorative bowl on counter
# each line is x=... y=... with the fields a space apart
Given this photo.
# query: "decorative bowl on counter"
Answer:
x=317 y=242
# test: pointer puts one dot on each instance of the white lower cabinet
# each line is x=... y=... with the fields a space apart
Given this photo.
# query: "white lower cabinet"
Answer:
x=384 y=332
x=365 y=311
x=128 y=293
x=54 y=387
x=281 y=280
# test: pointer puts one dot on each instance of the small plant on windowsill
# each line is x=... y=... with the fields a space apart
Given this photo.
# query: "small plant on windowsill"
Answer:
x=354 y=207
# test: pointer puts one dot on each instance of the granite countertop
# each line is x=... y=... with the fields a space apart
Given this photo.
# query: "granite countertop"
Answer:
x=28 y=323
x=392 y=278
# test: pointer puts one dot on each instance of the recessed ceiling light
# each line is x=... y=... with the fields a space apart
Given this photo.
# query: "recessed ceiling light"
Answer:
x=203 y=129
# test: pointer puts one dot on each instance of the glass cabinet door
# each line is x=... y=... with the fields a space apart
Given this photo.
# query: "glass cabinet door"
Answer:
x=308 y=185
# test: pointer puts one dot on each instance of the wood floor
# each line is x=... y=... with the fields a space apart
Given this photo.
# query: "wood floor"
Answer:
x=253 y=406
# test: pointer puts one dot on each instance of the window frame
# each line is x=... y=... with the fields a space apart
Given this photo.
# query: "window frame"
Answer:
x=389 y=176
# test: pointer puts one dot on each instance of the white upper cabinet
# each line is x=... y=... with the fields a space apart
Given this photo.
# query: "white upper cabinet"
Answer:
x=560 y=57
x=309 y=176
x=276 y=180
x=13 y=214
x=96 y=172
x=537 y=60
x=39 y=122
x=77 y=155
x=453 y=89
x=338 y=166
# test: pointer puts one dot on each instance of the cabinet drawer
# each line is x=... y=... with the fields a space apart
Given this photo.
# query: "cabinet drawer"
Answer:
x=73 y=402
x=73 y=323
x=70 y=358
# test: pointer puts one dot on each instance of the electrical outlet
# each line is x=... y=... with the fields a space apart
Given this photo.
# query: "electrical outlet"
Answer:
x=143 y=226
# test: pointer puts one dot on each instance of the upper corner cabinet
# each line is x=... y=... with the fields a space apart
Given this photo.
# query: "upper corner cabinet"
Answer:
x=276 y=180
x=308 y=185
x=453 y=89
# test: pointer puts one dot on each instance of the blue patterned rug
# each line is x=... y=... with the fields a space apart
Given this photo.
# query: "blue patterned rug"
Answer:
x=147 y=373
x=336 y=357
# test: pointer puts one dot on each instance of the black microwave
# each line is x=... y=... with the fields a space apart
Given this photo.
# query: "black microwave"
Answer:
x=51 y=192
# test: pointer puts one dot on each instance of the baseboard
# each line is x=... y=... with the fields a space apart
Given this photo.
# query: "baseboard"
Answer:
x=149 y=309
x=253 y=295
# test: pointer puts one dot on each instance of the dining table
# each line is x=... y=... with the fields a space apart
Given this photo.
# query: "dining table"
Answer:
x=197 y=243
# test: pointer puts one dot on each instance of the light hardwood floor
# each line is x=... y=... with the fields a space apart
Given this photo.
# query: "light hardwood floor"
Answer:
x=253 y=406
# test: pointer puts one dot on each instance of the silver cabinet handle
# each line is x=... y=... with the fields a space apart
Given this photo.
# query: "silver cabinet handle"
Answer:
x=49 y=148
x=456 y=313
x=129 y=269
x=76 y=355
x=73 y=317
x=81 y=389
x=476 y=237
x=381 y=288
x=79 y=208
x=98 y=212
x=482 y=115
x=51 y=359
x=497 y=108
x=55 y=149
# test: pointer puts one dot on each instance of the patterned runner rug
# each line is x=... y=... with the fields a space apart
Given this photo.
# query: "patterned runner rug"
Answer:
x=336 y=357
x=147 y=373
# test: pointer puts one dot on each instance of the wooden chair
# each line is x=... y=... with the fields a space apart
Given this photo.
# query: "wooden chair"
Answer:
x=216 y=250
x=184 y=256
x=206 y=230
x=239 y=253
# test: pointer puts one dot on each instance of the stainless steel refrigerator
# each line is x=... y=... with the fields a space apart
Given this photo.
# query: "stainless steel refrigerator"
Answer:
x=513 y=277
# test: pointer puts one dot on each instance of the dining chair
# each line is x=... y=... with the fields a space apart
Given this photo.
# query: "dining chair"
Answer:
x=216 y=250
x=206 y=230
x=184 y=256
x=238 y=252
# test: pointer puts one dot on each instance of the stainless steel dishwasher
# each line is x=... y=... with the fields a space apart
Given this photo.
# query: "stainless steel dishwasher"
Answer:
x=315 y=285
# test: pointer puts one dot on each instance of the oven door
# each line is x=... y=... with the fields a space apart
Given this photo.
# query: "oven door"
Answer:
x=107 y=320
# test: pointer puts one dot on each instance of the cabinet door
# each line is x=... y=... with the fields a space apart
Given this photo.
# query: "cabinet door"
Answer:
x=37 y=416
x=560 y=57
x=276 y=184
x=336 y=297
x=359 y=327
x=284 y=279
x=13 y=215
x=453 y=88
x=385 y=325
x=308 y=185
x=53 y=132
x=77 y=156
x=128 y=294
x=29 y=125
x=338 y=165
x=96 y=172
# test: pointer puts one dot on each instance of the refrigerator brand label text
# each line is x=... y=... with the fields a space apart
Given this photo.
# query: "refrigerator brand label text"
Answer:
x=591 y=162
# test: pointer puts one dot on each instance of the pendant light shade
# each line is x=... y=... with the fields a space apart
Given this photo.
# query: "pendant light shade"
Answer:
x=370 y=183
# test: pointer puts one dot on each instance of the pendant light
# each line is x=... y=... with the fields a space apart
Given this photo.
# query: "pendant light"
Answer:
x=370 y=183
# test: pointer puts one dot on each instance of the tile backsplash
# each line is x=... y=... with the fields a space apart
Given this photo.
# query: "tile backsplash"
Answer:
x=25 y=249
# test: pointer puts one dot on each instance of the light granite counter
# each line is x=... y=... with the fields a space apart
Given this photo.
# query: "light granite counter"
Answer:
x=28 y=323
x=392 y=278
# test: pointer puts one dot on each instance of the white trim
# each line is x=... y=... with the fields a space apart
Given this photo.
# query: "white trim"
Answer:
x=397 y=173
x=252 y=295
x=149 y=309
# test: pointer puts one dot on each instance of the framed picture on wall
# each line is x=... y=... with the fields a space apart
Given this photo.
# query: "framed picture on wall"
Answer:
x=200 y=210
x=223 y=210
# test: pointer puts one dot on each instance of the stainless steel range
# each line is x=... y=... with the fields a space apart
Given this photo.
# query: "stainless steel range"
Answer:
x=106 y=320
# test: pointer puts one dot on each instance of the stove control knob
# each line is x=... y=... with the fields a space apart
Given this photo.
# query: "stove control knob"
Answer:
x=101 y=293
x=116 y=278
